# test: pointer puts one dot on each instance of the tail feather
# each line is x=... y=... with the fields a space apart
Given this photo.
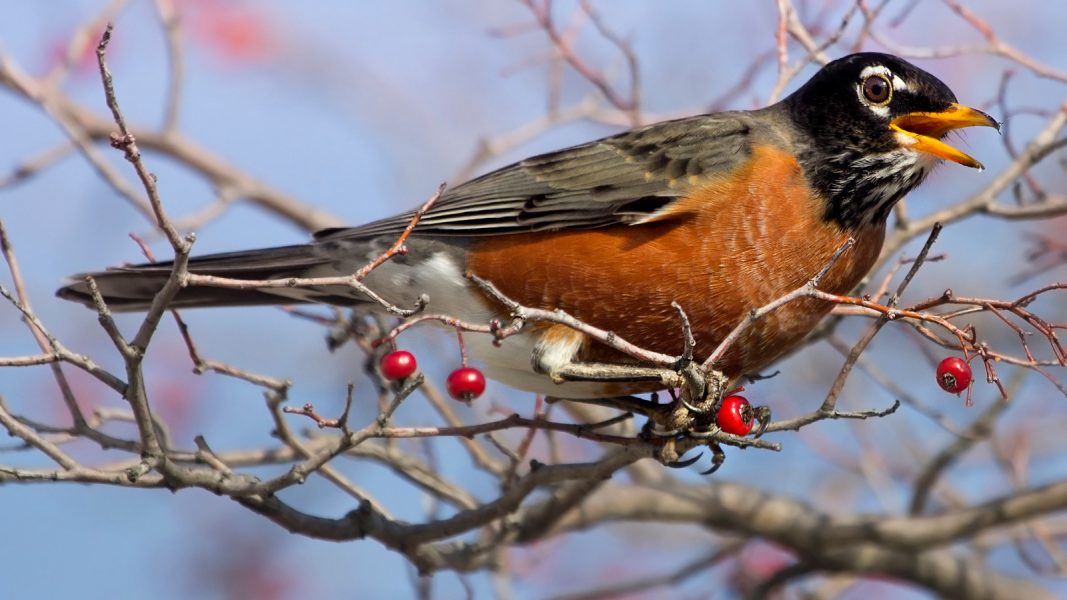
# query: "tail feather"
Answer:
x=132 y=288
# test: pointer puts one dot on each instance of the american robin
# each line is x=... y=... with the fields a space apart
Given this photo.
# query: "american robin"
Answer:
x=721 y=213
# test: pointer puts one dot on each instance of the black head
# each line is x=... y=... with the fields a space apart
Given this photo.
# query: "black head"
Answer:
x=871 y=126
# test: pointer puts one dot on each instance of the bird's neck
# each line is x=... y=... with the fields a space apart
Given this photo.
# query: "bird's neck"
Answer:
x=860 y=189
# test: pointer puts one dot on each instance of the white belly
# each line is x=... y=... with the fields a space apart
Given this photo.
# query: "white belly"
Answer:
x=452 y=294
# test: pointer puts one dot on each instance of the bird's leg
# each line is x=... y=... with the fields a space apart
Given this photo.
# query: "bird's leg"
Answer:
x=556 y=355
x=683 y=463
x=700 y=389
x=580 y=371
x=694 y=406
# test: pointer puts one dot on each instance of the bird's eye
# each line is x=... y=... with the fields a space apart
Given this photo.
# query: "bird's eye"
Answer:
x=877 y=90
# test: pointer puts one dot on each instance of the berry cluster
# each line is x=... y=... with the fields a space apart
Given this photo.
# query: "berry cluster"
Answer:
x=465 y=383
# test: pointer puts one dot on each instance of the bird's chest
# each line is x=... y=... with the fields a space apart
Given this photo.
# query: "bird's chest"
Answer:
x=766 y=254
x=728 y=248
x=765 y=237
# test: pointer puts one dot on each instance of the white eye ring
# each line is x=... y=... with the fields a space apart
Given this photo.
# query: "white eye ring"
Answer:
x=877 y=90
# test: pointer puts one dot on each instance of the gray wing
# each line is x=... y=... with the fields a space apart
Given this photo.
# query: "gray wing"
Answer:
x=623 y=179
x=626 y=178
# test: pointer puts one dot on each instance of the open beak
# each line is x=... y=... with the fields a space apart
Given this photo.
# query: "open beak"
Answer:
x=923 y=131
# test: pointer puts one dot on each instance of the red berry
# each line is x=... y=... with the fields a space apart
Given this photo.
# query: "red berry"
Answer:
x=465 y=383
x=735 y=415
x=954 y=375
x=398 y=364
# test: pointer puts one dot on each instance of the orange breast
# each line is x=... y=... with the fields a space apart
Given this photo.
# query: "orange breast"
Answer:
x=735 y=244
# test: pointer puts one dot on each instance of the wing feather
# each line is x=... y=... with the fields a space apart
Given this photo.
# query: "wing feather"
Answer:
x=625 y=178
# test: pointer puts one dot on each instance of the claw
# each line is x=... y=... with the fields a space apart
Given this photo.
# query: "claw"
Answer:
x=681 y=464
x=717 y=458
x=762 y=415
x=691 y=407
x=754 y=377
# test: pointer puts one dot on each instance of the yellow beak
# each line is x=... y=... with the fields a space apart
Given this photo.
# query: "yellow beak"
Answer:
x=922 y=131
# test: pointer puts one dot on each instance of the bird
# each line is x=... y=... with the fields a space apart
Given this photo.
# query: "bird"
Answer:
x=720 y=213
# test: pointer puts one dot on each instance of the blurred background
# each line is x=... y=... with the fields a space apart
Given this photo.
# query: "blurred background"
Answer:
x=360 y=109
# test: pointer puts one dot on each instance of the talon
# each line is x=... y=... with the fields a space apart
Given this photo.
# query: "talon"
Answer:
x=754 y=377
x=717 y=458
x=691 y=407
x=762 y=415
x=681 y=464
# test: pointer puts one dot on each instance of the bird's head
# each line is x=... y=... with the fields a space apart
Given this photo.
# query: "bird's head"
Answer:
x=874 y=126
